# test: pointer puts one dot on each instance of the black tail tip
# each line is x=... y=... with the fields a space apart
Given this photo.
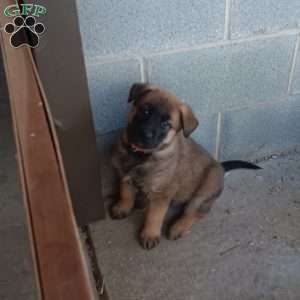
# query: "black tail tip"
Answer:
x=253 y=166
x=239 y=164
x=257 y=167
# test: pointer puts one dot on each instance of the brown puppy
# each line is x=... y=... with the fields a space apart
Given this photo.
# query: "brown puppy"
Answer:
x=156 y=160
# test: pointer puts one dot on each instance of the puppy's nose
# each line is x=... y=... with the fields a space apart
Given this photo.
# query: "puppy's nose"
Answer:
x=148 y=134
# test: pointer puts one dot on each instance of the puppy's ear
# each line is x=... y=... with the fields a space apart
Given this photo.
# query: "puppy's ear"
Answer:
x=138 y=90
x=188 y=120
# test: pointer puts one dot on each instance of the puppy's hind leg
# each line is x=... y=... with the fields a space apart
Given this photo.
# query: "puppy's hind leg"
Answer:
x=208 y=191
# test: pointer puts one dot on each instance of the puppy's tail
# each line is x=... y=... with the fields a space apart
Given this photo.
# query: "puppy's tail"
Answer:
x=238 y=164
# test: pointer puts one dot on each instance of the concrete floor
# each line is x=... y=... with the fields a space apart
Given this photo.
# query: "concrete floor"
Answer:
x=248 y=248
x=16 y=269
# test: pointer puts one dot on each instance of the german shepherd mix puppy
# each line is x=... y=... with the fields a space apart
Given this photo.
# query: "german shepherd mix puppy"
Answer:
x=155 y=158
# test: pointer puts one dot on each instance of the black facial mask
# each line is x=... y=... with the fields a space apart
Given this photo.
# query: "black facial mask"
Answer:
x=149 y=127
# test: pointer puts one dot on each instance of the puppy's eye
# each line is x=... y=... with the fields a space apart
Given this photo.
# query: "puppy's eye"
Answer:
x=165 y=124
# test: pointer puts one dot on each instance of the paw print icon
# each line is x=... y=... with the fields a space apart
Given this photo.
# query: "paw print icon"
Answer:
x=24 y=32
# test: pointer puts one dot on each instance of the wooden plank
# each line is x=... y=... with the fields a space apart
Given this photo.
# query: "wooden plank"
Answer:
x=59 y=59
x=60 y=263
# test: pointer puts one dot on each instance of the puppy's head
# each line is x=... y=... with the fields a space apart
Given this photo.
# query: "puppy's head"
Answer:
x=156 y=117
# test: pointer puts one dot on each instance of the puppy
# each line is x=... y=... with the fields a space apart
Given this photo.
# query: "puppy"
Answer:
x=157 y=161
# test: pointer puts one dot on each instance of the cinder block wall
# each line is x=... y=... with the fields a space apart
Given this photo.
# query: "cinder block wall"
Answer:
x=236 y=62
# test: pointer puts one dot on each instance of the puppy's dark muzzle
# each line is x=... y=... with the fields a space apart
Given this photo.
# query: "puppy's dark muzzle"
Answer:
x=142 y=137
x=146 y=137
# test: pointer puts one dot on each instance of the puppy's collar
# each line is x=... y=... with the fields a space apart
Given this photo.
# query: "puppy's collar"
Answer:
x=131 y=148
x=137 y=149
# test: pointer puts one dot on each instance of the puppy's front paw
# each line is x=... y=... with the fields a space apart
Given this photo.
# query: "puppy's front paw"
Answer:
x=177 y=231
x=119 y=212
x=149 y=241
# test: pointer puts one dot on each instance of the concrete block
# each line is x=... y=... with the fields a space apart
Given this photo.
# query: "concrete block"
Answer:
x=265 y=130
x=109 y=86
x=222 y=78
x=250 y=17
x=206 y=133
x=114 y=27
x=296 y=77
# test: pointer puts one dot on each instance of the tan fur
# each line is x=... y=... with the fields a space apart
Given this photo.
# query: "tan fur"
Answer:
x=127 y=194
x=177 y=170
